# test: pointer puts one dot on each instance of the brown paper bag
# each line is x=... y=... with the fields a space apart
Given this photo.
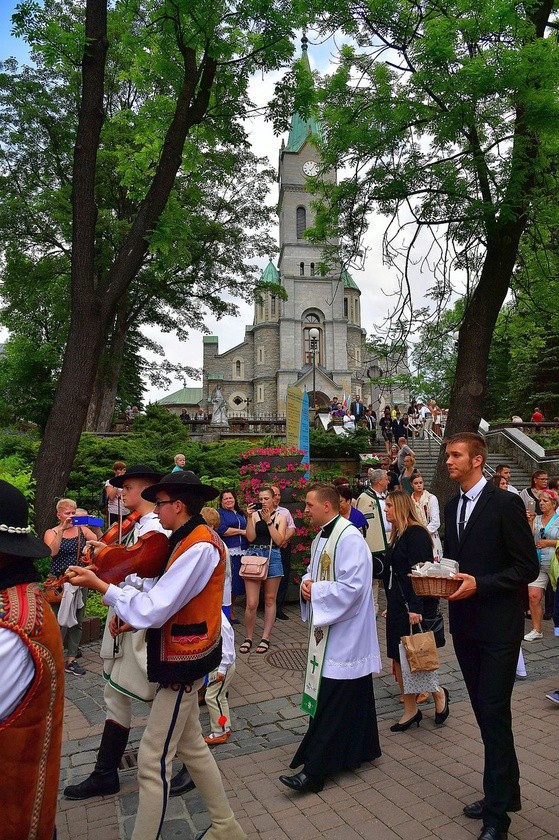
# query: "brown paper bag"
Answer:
x=421 y=651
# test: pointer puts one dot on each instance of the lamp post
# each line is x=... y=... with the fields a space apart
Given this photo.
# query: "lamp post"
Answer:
x=374 y=372
x=314 y=336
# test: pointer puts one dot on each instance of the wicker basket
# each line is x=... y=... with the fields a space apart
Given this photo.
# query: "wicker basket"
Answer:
x=435 y=587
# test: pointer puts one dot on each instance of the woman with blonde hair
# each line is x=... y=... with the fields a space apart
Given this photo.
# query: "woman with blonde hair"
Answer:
x=67 y=542
x=407 y=474
x=410 y=543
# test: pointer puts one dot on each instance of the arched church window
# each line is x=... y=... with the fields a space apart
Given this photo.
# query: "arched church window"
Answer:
x=312 y=269
x=273 y=305
x=346 y=307
x=301 y=222
x=301 y=268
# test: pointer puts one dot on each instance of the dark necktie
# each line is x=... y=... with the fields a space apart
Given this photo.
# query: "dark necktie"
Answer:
x=462 y=516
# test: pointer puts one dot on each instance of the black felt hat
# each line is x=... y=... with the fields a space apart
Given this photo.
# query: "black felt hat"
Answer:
x=15 y=533
x=179 y=484
x=136 y=471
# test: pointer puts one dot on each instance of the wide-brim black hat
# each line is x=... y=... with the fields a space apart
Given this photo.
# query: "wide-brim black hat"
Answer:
x=177 y=484
x=136 y=471
x=15 y=534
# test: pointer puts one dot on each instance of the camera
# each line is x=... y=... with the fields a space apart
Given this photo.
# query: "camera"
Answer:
x=257 y=505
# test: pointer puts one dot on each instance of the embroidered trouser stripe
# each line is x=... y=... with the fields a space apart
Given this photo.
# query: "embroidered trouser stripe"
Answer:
x=174 y=728
x=217 y=702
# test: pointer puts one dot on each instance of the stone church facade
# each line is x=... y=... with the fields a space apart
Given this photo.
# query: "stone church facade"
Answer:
x=277 y=349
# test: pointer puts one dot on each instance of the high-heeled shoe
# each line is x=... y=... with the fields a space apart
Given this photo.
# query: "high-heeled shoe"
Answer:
x=401 y=727
x=440 y=717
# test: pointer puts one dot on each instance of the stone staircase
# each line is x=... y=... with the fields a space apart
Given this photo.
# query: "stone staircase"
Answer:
x=427 y=452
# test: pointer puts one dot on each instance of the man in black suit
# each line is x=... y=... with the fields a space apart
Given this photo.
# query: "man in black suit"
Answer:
x=487 y=532
x=357 y=409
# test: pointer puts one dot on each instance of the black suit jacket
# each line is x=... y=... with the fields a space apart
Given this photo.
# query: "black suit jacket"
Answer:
x=498 y=549
x=357 y=409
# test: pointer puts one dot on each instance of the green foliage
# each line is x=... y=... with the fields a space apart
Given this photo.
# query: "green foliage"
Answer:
x=329 y=445
x=204 y=247
x=95 y=606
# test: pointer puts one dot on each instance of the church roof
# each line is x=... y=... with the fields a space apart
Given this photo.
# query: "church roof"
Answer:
x=270 y=274
x=349 y=282
x=186 y=396
x=301 y=129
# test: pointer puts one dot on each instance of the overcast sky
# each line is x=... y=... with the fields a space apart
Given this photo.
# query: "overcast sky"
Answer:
x=377 y=282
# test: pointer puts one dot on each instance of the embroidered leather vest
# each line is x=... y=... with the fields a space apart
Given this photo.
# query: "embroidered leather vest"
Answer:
x=31 y=737
x=188 y=646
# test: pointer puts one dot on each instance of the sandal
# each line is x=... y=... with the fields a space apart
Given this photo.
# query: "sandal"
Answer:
x=246 y=646
x=264 y=646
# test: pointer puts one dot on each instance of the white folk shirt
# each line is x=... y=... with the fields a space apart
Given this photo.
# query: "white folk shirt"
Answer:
x=18 y=671
x=346 y=606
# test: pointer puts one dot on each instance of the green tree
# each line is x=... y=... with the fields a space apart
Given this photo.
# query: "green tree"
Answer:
x=214 y=227
x=191 y=60
x=446 y=118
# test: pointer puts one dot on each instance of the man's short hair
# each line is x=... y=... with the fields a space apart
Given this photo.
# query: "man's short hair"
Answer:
x=475 y=443
x=500 y=467
x=192 y=504
x=536 y=474
x=376 y=475
x=326 y=493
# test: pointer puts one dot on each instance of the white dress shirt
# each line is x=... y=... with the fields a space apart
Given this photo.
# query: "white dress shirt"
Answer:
x=472 y=495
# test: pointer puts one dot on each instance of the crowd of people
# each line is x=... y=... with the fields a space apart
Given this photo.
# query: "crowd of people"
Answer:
x=171 y=634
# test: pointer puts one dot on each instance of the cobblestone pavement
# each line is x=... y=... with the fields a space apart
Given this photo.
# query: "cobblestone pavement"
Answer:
x=415 y=791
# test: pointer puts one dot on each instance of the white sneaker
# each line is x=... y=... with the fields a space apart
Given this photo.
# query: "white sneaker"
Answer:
x=554 y=697
x=533 y=636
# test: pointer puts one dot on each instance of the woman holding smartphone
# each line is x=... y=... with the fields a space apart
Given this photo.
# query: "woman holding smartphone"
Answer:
x=66 y=542
x=265 y=530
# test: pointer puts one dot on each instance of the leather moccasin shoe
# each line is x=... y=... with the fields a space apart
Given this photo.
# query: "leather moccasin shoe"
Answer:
x=214 y=738
x=302 y=783
x=492 y=834
x=475 y=810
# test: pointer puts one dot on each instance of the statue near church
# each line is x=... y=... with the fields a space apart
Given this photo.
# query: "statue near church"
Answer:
x=219 y=408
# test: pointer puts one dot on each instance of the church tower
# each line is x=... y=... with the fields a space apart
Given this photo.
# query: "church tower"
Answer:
x=277 y=350
x=328 y=303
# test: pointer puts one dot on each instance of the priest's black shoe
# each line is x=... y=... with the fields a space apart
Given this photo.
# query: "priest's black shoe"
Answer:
x=282 y=615
x=475 y=810
x=181 y=783
x=302 y=783
x=492 y=834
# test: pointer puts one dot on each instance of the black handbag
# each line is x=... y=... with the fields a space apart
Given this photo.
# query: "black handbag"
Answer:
x=436 y=624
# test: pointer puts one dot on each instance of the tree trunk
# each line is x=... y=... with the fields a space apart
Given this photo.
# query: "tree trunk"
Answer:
x=68 y=413
x=90 y=292
x=474 y=342
x=102 y=405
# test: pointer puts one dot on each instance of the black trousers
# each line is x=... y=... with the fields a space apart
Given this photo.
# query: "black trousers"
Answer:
x=489 y=670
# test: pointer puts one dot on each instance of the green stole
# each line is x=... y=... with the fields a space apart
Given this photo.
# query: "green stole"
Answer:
x=318 y=636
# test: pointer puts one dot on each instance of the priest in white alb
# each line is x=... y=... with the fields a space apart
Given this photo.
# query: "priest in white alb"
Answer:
x=337 y=603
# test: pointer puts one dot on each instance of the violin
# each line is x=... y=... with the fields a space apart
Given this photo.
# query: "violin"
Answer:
x=146 y=558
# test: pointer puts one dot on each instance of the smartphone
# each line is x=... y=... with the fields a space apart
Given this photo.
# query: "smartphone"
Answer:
x=531 y=506
x=257 y=505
